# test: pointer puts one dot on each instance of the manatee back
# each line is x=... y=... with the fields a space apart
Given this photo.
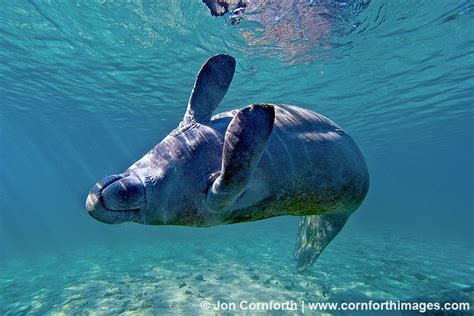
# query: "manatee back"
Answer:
x=309 y=161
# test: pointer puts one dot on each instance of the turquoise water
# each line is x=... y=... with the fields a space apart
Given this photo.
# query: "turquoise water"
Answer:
x=88 y=87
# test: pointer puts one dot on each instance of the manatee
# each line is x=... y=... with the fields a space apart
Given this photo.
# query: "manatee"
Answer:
x=248 y=164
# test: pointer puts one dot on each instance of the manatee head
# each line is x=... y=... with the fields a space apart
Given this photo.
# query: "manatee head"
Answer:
x=165 y=183
x=117 y=198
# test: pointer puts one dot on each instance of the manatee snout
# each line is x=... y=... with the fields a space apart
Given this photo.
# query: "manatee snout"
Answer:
x=116 y=199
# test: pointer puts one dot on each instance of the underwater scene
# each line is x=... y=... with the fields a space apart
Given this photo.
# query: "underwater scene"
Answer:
x=312 y=157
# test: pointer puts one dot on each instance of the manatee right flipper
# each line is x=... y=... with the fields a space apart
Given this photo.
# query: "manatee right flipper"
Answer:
x=315 y=233
x=244 y=143
x=210 y=87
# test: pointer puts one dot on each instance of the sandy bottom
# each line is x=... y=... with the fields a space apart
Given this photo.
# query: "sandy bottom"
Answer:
x=171 y=275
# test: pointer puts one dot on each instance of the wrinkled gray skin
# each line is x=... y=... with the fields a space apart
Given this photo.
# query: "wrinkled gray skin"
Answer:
x=244 y=165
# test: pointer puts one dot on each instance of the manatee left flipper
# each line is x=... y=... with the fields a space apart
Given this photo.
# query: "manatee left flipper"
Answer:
x=244 y=143
x=315 y=233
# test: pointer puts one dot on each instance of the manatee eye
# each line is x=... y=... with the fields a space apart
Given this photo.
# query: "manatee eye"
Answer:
x=127 y=193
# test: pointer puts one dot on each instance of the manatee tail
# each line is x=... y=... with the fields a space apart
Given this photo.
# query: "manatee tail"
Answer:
x=315 y=233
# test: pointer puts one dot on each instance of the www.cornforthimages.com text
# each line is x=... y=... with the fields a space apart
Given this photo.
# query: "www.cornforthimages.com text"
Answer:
x=306 y=306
